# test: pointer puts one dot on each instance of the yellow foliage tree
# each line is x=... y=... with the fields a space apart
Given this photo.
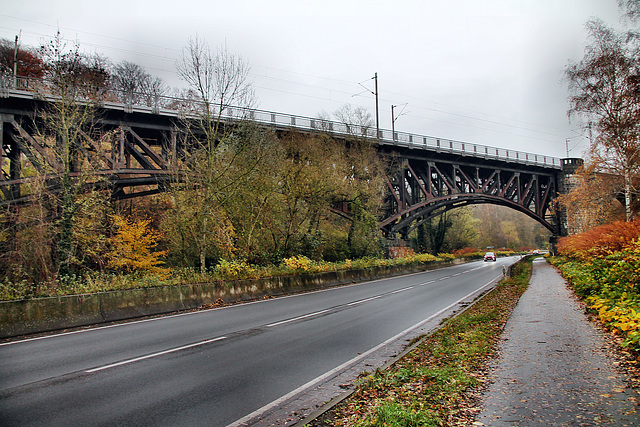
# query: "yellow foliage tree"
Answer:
x=132 y=245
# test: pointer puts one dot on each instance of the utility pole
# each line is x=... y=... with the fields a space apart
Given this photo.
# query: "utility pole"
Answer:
x=15 y=65
x=377 y=112
x=393 y=120
x=393 y=125
x=375 y=93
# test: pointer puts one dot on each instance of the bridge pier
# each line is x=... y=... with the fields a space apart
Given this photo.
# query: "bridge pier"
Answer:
x=567 y=182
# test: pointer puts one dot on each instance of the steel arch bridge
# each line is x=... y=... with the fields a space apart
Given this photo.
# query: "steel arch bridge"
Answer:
x=432 y=174
x=431 y=182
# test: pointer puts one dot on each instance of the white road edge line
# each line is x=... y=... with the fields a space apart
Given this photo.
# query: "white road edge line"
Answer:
x=296 y=318
x=348 y=363
x=149 y=356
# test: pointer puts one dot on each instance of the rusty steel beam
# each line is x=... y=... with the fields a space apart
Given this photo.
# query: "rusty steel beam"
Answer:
x=424 y=187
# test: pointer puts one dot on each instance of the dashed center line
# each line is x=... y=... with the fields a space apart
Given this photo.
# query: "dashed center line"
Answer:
x=402 y=290
x=296 y=318
x=317 y=313
x=149 y=356
x=365 y=300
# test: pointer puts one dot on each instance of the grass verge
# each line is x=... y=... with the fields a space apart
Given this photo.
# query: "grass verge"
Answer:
x=437 y=383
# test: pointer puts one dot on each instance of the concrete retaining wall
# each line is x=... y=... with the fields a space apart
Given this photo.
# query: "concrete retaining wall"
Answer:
x=49 y=314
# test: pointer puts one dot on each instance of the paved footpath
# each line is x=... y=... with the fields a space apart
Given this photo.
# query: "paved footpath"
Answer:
x=552 y=370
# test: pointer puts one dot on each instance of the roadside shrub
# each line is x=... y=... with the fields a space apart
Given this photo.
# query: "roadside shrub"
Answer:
x=603 y=266
x=234 y=269
x=91 y=282
x=465 y=251
x=299 y=262
x=600 y=241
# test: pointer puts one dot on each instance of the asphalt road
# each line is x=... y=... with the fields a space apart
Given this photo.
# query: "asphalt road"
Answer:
x=216 y=367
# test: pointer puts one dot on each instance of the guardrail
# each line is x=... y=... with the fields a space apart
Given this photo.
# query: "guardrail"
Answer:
x=183 y=108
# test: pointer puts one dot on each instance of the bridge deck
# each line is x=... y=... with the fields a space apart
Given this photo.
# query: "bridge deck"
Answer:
x=169 y=107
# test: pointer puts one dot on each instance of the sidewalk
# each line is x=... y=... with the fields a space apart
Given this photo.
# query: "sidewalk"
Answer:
x=552 y=370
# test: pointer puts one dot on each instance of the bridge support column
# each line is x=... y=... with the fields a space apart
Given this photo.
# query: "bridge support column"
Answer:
x=568 y=181
x=553 y=245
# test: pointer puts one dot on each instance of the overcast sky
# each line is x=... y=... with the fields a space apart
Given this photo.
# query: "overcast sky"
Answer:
x=482 y=71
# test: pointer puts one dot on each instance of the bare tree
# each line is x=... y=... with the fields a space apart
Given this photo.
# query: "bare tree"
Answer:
x=631 y=8
x=357 y=121
x=605 y=91
x=220 y=78
x=217 y=150
x=135 y=86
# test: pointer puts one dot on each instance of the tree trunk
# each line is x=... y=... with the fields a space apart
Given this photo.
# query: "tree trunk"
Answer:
x=627 y=195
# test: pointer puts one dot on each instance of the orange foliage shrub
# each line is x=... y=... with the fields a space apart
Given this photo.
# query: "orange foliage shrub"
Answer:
x=465 y=251
x=600 y=241
x=400 y=252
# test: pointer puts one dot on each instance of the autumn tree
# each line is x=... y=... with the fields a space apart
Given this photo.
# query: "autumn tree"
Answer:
x=364 y=174
x=220 y=81
x=77 y=83
x=363 y=171
x=214 y=147
x=29 y=63
x=605 y=92
x=132 y=246
x=593 y=201
x=464 y=229
x=61 y=230
x=501 y=226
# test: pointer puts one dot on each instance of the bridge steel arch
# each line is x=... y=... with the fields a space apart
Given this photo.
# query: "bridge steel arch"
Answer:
x=428 y=182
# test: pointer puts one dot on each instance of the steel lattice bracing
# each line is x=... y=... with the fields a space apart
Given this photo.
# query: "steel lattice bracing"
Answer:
x=146 y=148
x=427 y=184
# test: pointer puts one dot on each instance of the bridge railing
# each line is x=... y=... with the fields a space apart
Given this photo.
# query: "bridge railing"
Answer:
x=467 y=149
x=182 y=108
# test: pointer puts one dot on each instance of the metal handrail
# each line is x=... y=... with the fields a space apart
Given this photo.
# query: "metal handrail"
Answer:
x=182 y=108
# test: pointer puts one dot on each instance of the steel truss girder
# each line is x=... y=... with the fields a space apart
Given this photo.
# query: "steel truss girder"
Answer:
x=134 y=159
x=424 y=187
x=147 y=147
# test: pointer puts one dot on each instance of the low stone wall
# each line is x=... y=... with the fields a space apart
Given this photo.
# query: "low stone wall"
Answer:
x=49 y=314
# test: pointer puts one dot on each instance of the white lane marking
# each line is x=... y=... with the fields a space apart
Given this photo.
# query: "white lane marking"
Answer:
x=444 y=278
x=195 y=313
x=296 y=318
x=149 y=356
x=242 y=421
x=365 y=300
x=402 y=290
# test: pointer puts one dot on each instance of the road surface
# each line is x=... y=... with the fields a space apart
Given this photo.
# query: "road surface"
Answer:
x=224 y=366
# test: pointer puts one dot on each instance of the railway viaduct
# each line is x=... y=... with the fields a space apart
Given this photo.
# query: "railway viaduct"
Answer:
x=434 y=174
